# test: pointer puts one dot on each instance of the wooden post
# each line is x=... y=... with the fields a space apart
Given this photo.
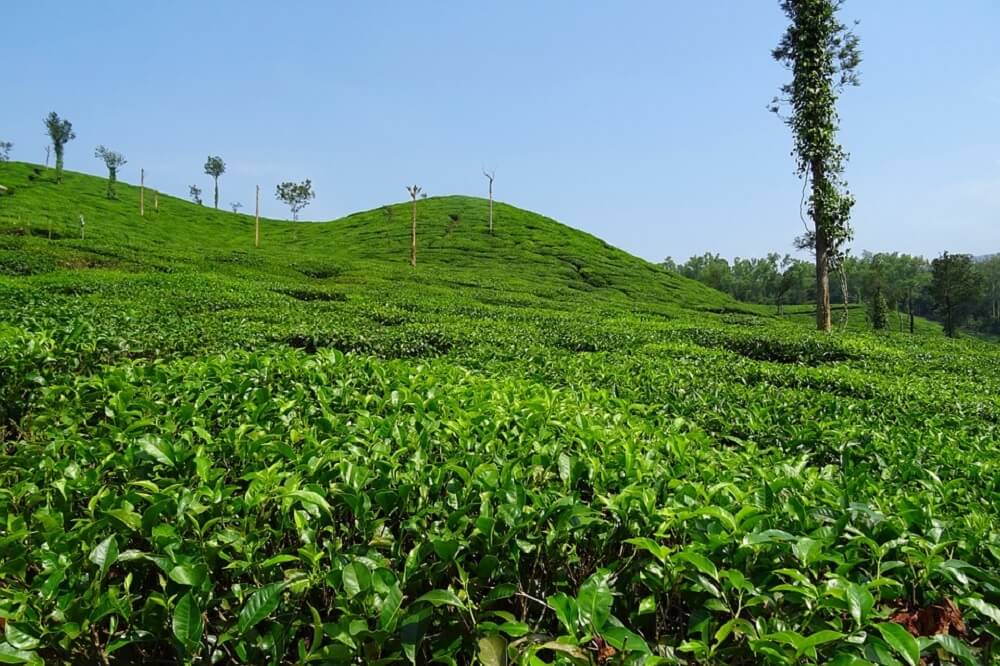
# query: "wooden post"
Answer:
x=490 y=175
x=156 y=201
x=142 y=191
x=256 y=226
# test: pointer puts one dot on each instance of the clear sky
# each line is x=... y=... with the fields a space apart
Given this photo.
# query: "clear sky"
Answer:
x=642 y=122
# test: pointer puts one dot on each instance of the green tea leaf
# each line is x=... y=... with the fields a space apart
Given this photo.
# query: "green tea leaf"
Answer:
x=859 y=602
x=957 y=648
x=807 y=550
x=192 y=575
x=357 y=579
x=389 y=613
x=441 y=598
x=984 y=608
x=594 y=601
x=821 y=637
x=700 y=562
x=655 y=549
x=625 y=640
x=105 y=554
x=566 y=610
x=156 y=449
x=901 y=641
x=18 y=638
x=493 y=651
x=647 y=605
x=187 y=623
x=311 y=497
x=11 y=655
x=130 y=519
x=259 y=606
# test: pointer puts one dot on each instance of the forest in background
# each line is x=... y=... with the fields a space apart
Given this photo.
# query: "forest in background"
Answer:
x=883 y=281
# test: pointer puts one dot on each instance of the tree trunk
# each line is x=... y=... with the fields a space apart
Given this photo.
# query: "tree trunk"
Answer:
x=822 y=285
x=949 y=322
x=142 y=193
x=844 y=289
x=909 y=307
x=216 y=193
x=413 y=234
x=59 y=164
x=822 y=251
x=491 y=205
x=256 y=225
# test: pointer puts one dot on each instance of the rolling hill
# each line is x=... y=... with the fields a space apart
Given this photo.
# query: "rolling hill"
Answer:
x=357 y=267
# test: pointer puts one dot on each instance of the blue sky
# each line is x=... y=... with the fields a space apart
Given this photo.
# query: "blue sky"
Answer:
x=641 y=122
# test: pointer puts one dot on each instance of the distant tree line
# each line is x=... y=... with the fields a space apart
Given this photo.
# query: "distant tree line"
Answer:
x=955 y=289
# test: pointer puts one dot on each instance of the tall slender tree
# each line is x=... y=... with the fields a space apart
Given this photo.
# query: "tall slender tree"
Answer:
x=5 y=147
x=823 y=55
x=414 y=191
x=215 y=167
x=113 y=161
x=60 y=131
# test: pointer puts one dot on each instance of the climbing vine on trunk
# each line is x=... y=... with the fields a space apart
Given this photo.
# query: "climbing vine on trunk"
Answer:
x=823 y=55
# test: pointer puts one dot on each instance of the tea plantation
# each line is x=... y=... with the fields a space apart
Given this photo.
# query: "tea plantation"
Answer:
x=530 y=448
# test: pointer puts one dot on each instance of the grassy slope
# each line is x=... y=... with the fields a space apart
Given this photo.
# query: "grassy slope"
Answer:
x=529 y=254
x=576 y=395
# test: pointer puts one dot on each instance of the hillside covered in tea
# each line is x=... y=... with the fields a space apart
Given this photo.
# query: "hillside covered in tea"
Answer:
x=531 y=447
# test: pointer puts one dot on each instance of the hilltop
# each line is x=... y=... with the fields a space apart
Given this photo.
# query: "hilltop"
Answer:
x=532 y=446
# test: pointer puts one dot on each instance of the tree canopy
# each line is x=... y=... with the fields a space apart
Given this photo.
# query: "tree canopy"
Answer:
x=955 y=286
x=295 y=195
